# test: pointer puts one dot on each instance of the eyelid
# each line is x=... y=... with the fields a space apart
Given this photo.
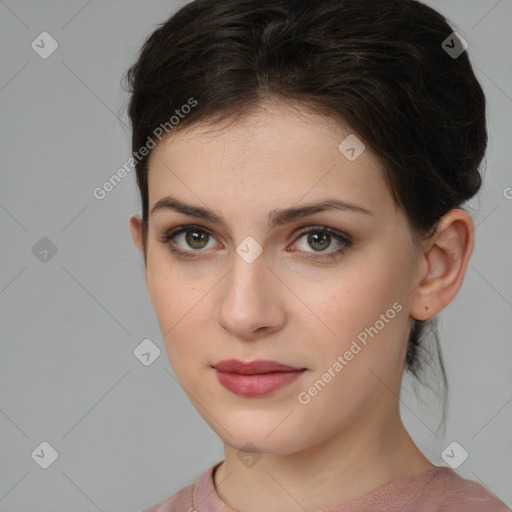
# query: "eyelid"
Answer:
x=325 y=229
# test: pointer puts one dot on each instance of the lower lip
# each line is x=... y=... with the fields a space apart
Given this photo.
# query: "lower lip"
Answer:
x=259 y=384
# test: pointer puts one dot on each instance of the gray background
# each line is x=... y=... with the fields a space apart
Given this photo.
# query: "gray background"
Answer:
x=125 y=433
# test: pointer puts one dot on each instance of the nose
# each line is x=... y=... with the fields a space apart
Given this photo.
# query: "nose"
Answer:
x=250 y=300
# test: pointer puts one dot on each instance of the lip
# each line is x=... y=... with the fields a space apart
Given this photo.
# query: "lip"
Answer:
x=258 y=366
x=255 y=378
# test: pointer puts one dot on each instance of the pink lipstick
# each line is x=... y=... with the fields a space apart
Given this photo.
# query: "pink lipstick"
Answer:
x=255 y=378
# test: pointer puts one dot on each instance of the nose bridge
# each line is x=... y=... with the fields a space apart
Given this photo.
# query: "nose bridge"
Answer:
x=248 y=283
x=248 y=300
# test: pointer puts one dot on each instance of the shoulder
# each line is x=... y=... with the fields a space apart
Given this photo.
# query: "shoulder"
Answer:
x=455 y=493
x=202 y=491
x=178 y=502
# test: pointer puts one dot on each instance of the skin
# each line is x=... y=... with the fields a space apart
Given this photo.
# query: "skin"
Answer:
x=349 y=439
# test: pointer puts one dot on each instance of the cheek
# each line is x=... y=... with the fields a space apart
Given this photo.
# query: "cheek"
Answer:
x=348 y=304
x=361 y=361
x=181 y=306
x=173 y=302
x=363 y=321
x=171 y=293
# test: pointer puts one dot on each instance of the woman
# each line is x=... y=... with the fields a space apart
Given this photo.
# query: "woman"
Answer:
x=302 y=167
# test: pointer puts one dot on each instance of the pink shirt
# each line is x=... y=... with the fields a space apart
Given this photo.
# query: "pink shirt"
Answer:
x=438 y=490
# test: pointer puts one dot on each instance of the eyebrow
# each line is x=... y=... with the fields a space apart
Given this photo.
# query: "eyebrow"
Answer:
x=276 y=217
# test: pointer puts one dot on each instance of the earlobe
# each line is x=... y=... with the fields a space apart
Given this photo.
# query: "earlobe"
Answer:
x=447 y=255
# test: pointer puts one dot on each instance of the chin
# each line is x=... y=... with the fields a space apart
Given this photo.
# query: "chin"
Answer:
x=278 y=441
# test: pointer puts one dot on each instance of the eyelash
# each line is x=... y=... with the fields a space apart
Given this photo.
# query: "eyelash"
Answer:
x=166 y=239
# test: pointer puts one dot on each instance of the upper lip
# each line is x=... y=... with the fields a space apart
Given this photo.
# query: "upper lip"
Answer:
x=253 y=367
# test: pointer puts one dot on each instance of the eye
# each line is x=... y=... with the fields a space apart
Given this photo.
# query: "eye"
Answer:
x=185 y=240
x=188 y=241
x=320 y=239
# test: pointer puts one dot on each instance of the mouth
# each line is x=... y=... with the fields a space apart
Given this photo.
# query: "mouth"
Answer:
x=255 y=378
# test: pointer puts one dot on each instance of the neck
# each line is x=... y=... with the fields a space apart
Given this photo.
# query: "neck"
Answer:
x=356 y=460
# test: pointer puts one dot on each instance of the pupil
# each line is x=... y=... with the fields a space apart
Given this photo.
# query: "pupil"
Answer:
x=315 y=238
x=194 y=237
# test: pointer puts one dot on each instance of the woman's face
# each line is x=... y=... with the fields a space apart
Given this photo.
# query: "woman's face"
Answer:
x=254 y=283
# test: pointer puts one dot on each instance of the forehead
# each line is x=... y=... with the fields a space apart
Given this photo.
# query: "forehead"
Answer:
x=276 y=156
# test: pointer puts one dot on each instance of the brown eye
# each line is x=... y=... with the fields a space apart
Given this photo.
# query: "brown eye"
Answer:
x=187 y=241
x=196 y=239
x=319 y=240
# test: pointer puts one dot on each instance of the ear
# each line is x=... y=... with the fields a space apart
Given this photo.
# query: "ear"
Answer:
x=443 y=264
x=136 y=232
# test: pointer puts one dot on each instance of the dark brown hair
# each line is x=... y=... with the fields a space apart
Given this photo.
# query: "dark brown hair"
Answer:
x=377 y=65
